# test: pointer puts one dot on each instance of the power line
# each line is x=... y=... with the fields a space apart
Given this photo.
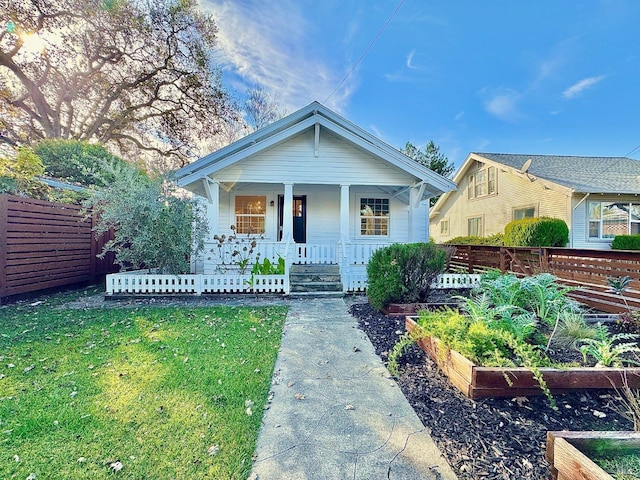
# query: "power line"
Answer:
x=366 y=50
x=638 y=147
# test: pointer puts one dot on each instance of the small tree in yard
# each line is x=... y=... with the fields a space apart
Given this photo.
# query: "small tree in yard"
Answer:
x=154 y=228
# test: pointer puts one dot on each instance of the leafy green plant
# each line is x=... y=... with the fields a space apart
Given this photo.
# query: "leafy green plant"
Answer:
x=269 y=268
x=494 y=240
x=403 y=273
x=154 y=227
x=608 y=350
x=545 y=297
x=619 y=285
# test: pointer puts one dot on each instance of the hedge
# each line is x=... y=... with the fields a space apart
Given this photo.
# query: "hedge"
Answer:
x=496 y=240
x=536 y=232
x=626 y=242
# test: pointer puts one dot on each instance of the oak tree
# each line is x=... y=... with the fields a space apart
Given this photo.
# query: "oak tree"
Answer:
x=134 y=75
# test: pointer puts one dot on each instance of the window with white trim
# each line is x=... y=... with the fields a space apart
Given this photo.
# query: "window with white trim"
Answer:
x=444 y=227
x=474 y=226
x=524 y=212
x=374 y=216
x=482 y=183
x=250 y=214
x=608 y=219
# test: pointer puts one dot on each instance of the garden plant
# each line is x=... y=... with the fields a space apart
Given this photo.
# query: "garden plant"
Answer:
x=512 y=322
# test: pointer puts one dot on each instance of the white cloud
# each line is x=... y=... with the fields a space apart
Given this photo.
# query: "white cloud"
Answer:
x=502 y=103
x=459 y=115
x=579 y=87
x=410 y=59
x=271 y=44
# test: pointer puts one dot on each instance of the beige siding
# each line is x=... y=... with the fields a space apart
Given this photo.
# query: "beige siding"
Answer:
x=337 y=163
x=496 y=210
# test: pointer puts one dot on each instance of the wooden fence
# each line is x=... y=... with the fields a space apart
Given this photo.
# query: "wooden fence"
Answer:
x=45 y=245
x=587 y=270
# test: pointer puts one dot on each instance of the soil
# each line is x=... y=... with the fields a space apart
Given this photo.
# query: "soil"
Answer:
x=502 y=438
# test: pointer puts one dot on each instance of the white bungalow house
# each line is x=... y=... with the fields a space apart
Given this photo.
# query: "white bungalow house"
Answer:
x=317 y=190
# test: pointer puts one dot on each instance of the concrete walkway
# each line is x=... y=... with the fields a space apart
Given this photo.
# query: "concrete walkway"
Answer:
x=336 y=413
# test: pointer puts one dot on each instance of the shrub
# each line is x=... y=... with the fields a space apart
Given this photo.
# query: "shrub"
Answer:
x=536 y=232
x=626 y=242
x=496 y=240
x=403 y=273
x=154 y=228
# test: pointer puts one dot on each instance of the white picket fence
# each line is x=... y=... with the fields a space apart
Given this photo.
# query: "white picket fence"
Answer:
x=194 y=284
x=197 y=284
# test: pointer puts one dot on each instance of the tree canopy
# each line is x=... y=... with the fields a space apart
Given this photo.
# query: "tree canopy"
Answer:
x=432 y=159
x=134 y=75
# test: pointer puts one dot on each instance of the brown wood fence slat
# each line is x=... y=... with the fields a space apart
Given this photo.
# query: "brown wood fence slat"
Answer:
x=588 y=270
x=45 y=244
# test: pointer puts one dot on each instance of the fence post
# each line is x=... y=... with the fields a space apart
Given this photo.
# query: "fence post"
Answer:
x=470 y=259
x=503 y=258
x=3 y=246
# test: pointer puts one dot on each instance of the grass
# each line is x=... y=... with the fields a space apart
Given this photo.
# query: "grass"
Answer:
x=133 y=392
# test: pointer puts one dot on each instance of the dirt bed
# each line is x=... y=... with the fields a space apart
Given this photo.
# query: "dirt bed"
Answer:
x=490 y=438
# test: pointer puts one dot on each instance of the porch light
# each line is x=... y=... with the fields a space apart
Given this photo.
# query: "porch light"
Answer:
x=271 y=203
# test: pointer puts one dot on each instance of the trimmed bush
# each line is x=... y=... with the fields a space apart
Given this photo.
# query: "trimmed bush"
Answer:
x=536 y=232
x=626 y=242
x=496 y=240
x=403 y=273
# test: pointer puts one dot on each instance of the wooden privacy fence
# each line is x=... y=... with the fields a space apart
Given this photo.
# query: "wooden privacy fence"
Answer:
x=45 y=244
x=587 y=270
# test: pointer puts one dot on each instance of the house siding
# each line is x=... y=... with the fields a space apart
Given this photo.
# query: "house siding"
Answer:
x=513 y=192
x=580 y=230
x=323 y=213
x=294 y=162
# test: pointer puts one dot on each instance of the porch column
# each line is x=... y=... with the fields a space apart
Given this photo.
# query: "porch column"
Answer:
x=344 y=213
x=416 y=224
x=287 y=213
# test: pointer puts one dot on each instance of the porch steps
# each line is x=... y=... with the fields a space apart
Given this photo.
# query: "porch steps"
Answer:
x=315 y=278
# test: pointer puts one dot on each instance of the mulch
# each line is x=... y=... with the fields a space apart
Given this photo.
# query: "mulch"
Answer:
x=487 y=439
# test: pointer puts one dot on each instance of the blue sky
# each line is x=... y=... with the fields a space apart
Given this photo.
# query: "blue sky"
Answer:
x=532 y=77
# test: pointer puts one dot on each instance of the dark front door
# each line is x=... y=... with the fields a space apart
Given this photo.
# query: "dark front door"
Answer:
x=299 y=218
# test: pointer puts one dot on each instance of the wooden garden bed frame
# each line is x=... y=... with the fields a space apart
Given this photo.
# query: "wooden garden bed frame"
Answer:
x=568 y=462
x=484 y=382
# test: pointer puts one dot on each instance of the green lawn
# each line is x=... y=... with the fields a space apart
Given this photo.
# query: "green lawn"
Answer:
x=175 y=393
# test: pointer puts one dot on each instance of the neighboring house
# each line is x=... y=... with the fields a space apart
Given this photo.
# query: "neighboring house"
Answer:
x=317 y=189
x=598 y=197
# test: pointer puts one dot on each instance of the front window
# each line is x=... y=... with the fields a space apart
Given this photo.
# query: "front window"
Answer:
x=526 y=212
x=474 y=226
x=250 y=214
x=608 y=219
x=374 y=216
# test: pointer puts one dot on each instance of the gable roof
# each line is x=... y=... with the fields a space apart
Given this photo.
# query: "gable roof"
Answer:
x=580 y=174
x=571 y=174
x=304 y=119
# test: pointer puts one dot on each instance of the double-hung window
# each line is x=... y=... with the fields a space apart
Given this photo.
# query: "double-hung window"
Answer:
x=482 y=183
x=608 y=219
x=250 y=214
x=474 y=226
x=374 y=216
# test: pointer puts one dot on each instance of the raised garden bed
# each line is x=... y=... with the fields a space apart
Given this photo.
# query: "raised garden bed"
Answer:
x=570 y=454
x=476 y=382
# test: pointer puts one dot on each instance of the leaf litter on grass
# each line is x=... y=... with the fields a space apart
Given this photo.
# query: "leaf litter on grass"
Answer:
x=109 y=389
